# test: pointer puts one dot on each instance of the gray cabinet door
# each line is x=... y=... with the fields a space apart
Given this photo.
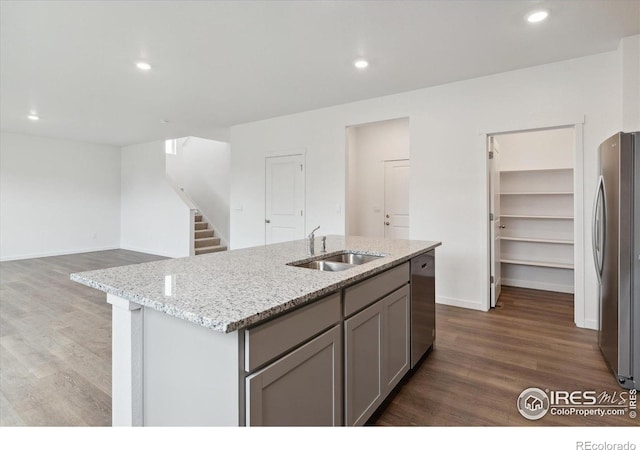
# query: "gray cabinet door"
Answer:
x=376 y=354
x=303 y=388
x=363 y=360
x=395 y=337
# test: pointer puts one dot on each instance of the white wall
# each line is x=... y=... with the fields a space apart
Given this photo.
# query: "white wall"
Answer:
x=544 y=149
x=57 y=196
x=202 y=168
x=629 y=54
x=154 y=219
x=372 y=144
x=448 y=165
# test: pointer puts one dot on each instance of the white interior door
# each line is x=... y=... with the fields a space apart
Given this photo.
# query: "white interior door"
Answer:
x=396 y=199
x=495 y=224
x=284 y=198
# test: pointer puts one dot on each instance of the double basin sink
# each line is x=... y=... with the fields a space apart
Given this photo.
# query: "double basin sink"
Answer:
x=336 y=263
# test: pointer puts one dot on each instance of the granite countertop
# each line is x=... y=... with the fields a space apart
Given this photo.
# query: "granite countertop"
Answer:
x=228 y=291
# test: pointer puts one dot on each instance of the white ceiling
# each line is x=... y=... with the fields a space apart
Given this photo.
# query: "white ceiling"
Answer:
x=217 y=64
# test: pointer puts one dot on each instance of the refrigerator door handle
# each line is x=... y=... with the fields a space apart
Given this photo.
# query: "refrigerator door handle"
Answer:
x=598 y=227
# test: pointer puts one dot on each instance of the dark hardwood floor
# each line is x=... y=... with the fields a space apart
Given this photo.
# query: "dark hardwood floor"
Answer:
x=481 y=362
x=55 y=341
x=55 y=354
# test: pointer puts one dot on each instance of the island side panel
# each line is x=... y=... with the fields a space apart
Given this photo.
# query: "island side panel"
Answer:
x=126 y=367
x=191 y=373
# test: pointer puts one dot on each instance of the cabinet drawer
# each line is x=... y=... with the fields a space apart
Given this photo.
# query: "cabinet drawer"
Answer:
x=271 y=339
x=303 y=388
x=368 y=291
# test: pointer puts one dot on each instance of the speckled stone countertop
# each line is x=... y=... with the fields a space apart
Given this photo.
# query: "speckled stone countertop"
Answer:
x=232 y=290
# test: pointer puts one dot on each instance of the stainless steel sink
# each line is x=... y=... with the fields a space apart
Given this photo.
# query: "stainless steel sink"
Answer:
x=352 y=258
x=336 y=263
x=325 y=266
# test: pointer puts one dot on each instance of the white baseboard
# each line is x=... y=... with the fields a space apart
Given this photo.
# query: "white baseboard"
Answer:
x=151 y=252
x=538 y=285
x=57 y=253
x=461 y=303
x=592 y=324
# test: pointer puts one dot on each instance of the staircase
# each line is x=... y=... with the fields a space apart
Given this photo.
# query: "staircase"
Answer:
x=204 y=240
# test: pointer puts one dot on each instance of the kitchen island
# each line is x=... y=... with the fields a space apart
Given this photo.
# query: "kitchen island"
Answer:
x=251 y=337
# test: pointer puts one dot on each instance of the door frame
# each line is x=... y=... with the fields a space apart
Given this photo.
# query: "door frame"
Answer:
x=578 y=203
x=349 y=163
x=277 y=154
x=493 y=147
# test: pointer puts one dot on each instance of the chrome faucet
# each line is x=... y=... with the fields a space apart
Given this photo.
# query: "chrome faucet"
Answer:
x=310 y=240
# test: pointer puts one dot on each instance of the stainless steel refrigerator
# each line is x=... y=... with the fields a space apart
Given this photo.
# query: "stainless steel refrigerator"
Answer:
x=616 y=249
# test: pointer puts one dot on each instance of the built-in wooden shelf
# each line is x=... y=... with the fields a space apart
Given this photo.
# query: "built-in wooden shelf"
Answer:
x=554 y=265
x=537 y=240
x=556 y=169
x=537 y=211
x=536 y=193
x=520 y=216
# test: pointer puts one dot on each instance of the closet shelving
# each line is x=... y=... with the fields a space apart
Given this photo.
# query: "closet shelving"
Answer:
x=537 y=238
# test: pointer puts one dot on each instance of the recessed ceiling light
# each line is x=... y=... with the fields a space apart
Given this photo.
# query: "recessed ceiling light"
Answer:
x=143 y=65
x=537 y=16
x=33 y=117
x=361 y=63
x=164 y=120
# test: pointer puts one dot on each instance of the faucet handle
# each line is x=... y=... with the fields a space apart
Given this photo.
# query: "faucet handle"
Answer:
x=314 y=230
x=324 y=244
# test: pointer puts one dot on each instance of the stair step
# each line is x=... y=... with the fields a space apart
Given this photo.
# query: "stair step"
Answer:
x=201 y=225
x=212 y=249
x=203 y=234
x=198 y=217
x=206 y=242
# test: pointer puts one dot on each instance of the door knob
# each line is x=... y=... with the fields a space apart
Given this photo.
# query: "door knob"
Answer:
x=267 y=221
x=503 y=226
x=386 y=223
x=387 y=216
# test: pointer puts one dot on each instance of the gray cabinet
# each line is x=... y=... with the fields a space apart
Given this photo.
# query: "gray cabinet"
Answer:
x=304 y=387
x=291 y=384
x=376 y=354
x=363 y=361
x=396 y=336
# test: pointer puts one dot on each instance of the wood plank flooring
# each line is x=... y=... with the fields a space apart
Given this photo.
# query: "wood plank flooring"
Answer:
x=55 y=341
x=482 y=361
x=55 y=354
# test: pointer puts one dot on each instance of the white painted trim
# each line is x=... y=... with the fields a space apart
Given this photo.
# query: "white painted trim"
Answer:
x=535 y=124
x=485 y=297
x=127 y=362
x=58 y=253
x=192 y=232
x=149 y=252
x=537 y=285
x=578 y=202
x=294 y=152
x=591 y=324
x=462 y=303
x=578 y=227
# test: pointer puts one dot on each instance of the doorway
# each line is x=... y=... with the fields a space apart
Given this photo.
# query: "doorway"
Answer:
x=377 y=203
x=284 y=198
x=533 y=204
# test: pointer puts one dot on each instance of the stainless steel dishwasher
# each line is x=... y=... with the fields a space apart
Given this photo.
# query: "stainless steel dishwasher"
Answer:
x=423 y=305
